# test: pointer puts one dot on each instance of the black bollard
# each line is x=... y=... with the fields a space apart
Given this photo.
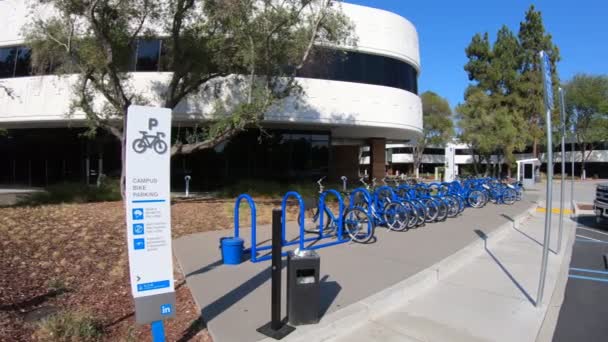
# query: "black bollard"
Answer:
x=276 y=328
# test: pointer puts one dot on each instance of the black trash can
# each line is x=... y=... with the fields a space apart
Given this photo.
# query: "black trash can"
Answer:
x=303 y=288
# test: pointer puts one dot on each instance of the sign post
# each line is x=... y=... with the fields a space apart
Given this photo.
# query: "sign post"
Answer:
x=548 y=85
x=148 y=216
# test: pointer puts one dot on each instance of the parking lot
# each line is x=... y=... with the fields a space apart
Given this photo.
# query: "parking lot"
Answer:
x=585 y=308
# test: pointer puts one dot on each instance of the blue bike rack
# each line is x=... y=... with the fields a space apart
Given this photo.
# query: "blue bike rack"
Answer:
x=252 y=208
x=301 y=240
x=366 y=195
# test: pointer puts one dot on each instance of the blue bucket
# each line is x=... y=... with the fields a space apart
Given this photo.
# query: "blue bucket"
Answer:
x=232 y=250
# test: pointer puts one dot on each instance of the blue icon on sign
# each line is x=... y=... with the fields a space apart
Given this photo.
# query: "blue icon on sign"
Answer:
x=139 y=244
x=138 y=214
x=138 y=229
x=166 y=309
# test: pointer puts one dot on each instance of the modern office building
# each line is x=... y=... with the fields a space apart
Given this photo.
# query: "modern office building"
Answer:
x=400 y=159
x=368 y=99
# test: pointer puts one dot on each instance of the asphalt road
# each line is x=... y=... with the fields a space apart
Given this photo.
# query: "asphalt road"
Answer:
x=584 y=312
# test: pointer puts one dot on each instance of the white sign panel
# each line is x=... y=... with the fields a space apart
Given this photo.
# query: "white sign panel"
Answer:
x=148 y=200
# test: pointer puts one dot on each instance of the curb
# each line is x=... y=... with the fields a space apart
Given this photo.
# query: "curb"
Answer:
x=547 y=328
x=357 y=314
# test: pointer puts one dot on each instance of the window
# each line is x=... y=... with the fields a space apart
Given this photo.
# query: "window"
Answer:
x=361 y=67
x=464 y=152
x=23 y=65
x=7 y=61
x=148 y=55
x=402 y=150
x=434 y=151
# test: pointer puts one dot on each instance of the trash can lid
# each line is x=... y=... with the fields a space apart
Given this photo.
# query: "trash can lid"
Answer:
x=232 y=241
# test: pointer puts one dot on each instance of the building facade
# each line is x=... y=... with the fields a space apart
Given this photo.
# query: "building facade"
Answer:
x=366 y=98
x=400 y=159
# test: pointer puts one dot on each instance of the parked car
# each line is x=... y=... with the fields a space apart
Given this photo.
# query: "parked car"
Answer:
x=600 y=205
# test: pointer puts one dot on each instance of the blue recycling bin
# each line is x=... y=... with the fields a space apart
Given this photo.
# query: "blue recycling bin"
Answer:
x=232 y=250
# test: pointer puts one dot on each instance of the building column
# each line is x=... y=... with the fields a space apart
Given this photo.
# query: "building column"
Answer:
x=377 y=157
x=344 y=162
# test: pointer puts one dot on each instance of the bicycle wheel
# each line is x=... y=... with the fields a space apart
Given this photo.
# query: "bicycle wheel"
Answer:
x=476 y=199
x=395 y=216
x=442 y=215
x=421 y=211
x=412 y=214
x=509 y=196
x=453 y=209
x=432 y=210
x=358 y=225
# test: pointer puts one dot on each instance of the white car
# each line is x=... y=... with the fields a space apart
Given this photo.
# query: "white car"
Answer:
x=600 y=205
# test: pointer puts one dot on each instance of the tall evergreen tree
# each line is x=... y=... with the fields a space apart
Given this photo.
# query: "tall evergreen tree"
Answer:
x=533 y=39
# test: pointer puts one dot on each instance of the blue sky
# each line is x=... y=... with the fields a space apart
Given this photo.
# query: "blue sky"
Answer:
x=445 y=28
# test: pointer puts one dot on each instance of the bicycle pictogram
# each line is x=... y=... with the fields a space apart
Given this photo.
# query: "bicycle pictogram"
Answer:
x=152 y=141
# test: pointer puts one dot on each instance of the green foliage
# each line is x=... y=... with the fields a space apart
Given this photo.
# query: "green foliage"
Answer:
x=586 y=98
x=206 y=44
x=109 y=190
x=438 y=127
x=69 y=327
x=503 y=106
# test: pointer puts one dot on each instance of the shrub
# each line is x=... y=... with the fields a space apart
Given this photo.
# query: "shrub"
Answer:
x=109 y=190
x=69 y=327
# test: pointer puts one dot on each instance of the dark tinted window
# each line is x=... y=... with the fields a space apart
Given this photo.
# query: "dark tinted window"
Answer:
x=402 y=150
x=148 y=54
x=361 y=68
x=434 y=151
x=23 y=67
x=464 y=151
x=7 y=61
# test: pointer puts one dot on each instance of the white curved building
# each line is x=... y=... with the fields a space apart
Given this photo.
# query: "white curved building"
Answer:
x=366 y=99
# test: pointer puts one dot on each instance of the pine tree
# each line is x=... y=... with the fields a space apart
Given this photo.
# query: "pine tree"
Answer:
x=533 y=39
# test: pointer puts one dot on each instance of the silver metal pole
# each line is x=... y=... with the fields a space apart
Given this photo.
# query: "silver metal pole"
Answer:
x=563 y=176
x=543 y=266
x=572 y=156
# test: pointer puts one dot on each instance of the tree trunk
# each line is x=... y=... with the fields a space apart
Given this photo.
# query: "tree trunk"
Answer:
x=535 y=148
x=123 y=157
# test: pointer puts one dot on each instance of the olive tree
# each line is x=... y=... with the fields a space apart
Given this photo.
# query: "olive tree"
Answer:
x=253 y=47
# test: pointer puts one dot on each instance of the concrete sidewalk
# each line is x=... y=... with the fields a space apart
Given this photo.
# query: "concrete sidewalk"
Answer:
x=489 y=299
x=356 y=279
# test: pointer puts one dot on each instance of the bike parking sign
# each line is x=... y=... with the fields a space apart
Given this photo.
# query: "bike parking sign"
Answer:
x=148 y=212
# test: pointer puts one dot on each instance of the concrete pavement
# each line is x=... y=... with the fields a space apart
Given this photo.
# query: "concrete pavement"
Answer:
x=357 y=280
x=490 y=299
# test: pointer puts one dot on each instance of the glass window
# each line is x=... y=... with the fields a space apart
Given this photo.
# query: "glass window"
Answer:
x=148 y=54
x=23 y=66
x=361 y=68
x=7 y=61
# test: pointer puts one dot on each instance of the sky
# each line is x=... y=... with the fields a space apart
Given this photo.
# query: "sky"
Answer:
x=445 y=28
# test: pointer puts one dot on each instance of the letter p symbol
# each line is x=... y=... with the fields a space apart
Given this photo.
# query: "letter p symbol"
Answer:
x=152 y=123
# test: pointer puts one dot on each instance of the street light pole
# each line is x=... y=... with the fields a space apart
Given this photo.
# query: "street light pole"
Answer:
x=549 y=159
x=563 y=177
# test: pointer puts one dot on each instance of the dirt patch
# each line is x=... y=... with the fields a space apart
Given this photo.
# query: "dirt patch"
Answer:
x=73 y=257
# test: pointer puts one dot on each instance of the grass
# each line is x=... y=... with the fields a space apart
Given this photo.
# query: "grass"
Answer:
x=109 y=190
x=69 y=327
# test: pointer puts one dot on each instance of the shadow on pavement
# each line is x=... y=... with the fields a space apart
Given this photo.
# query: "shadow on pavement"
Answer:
x=484 y=237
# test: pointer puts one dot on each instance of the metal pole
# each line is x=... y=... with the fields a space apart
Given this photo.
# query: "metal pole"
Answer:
x=157 y=331
x=275 y=328
x=275 y=322
x=563 y=177
x=572 y=156
x=543 y=266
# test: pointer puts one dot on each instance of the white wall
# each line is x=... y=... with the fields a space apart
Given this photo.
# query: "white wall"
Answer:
x=349 y=110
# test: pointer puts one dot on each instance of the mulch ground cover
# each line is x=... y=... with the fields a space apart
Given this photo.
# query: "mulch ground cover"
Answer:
x=73 y=258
